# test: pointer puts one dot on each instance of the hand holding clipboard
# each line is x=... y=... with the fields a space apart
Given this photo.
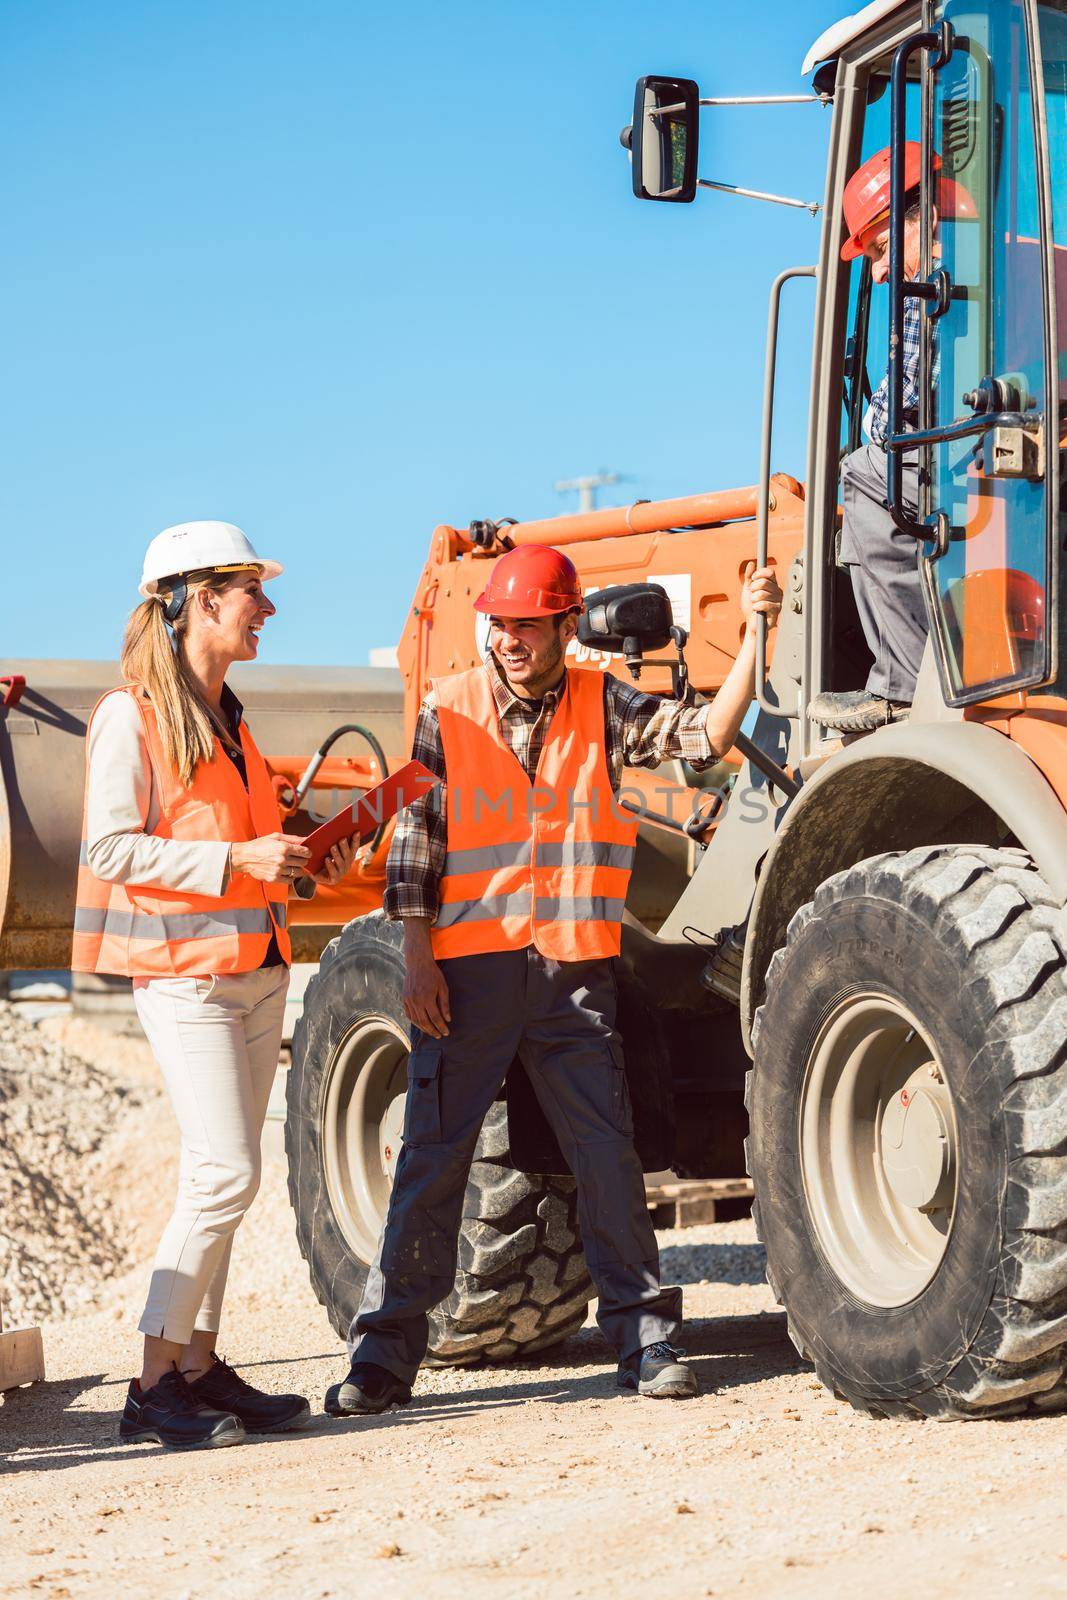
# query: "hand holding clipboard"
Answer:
x=362 y=820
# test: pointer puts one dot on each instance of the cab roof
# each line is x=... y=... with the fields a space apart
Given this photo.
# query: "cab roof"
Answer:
x=833 y=40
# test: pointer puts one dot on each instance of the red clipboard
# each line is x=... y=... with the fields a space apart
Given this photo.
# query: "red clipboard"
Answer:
x=369 y=812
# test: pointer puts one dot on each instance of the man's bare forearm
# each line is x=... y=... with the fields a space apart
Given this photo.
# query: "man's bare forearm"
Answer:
x=416 y=933
x=725 y=714
x=425 y=989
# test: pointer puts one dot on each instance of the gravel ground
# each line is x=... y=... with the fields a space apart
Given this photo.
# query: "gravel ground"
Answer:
x=63 y=1125
x=521 y=1481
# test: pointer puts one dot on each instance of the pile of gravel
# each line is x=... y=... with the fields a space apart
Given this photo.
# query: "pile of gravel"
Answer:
x=58 y=1229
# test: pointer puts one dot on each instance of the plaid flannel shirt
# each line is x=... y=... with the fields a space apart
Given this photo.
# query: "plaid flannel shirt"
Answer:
x=878 y=422
x=642 y=730
x=878 y=415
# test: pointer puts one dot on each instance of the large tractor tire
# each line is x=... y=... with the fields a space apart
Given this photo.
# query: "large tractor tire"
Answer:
x=908 y=1144
x=521 y=1283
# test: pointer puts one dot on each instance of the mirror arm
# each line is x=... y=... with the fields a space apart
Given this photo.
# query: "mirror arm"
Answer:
x=770 y=100
x=757 y=194
x=752 y=100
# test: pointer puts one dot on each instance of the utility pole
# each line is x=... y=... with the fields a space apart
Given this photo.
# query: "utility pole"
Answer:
x=587 y=487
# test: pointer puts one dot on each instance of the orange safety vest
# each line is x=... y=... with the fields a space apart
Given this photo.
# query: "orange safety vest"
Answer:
x=544 y=863
x=164 y=933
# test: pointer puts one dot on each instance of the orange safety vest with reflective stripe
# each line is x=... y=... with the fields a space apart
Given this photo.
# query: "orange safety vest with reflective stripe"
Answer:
x=544 y=863
x=140 y=932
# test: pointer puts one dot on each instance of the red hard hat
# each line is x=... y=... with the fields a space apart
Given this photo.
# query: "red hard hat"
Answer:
x=866 y=197
x=1025 y=605
x=1005 y=592
x=533 y=580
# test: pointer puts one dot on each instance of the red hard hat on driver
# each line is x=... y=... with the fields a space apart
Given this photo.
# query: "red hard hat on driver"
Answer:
x=1026 y=606
x=997 y=592
x=532 y=580
x=866 y=197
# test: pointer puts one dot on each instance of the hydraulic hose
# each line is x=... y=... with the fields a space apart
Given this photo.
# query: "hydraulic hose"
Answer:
x=308 y=776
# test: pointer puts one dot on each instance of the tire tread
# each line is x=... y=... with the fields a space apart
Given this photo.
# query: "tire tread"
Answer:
x=996 y=910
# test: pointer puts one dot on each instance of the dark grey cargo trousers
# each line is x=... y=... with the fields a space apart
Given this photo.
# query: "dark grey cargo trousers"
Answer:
x=559 y=1018
x=883 y=564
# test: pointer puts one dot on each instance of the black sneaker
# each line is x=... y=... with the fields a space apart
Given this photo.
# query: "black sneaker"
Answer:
x=366 y=1391
x=856 y=710
x=221 y=1386
x=659 y=1372
x=172 y=1415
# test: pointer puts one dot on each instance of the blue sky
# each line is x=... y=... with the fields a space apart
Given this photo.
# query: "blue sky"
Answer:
x=339 y=273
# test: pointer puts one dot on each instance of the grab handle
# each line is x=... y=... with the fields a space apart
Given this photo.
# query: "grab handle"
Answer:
x=763 y=502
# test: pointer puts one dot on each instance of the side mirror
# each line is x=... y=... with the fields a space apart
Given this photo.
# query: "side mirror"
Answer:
x=664 y=137
x=631 y=618
x=627 y=614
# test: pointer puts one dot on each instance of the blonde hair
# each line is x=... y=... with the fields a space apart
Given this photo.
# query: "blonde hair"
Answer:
x=154 y=662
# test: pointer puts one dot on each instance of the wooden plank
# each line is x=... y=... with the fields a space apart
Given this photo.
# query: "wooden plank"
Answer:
x=690 y=1202
x=702 y=1189
x=21 y=1357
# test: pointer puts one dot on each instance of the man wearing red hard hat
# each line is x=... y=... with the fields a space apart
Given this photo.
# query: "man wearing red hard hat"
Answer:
x=510 y=878
x=883 y=561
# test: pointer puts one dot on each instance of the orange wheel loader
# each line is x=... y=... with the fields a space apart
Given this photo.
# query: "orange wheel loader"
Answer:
x=843 y=961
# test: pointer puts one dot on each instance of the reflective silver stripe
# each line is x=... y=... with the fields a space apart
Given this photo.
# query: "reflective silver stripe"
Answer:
x=592 y=908
x=585 y=853
x=83 y=854
x=490 y=910
x=174 y=925
x=281 y=912
x=488 y=859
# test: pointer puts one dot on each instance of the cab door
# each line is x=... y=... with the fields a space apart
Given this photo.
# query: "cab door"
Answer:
x=991 y=356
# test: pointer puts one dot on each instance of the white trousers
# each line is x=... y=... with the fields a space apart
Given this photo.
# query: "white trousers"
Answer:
x=216 y=1041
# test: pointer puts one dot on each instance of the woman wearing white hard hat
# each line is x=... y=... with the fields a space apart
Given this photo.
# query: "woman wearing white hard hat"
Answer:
x=182 y=887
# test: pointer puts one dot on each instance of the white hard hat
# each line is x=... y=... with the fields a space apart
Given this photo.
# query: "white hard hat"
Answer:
x=189 y=546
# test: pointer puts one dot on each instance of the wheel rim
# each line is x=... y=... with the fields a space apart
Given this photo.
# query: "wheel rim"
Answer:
x=362 y=1120
x=879 y=1150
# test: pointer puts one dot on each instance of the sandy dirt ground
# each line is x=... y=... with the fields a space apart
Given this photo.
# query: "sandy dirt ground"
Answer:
x=521 y=1481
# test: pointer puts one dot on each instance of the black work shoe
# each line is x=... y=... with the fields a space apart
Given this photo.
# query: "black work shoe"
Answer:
x=658 y=1372
x=221 y=1386
x=172 y=1415
x=366 y=1391
x=856 y=710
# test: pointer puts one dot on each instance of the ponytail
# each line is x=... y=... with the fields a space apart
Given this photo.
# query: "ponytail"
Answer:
x=152 y=661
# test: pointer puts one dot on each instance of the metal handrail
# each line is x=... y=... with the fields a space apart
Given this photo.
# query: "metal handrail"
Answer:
x=963 y=428
x=900 y=289
x=763 y=487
